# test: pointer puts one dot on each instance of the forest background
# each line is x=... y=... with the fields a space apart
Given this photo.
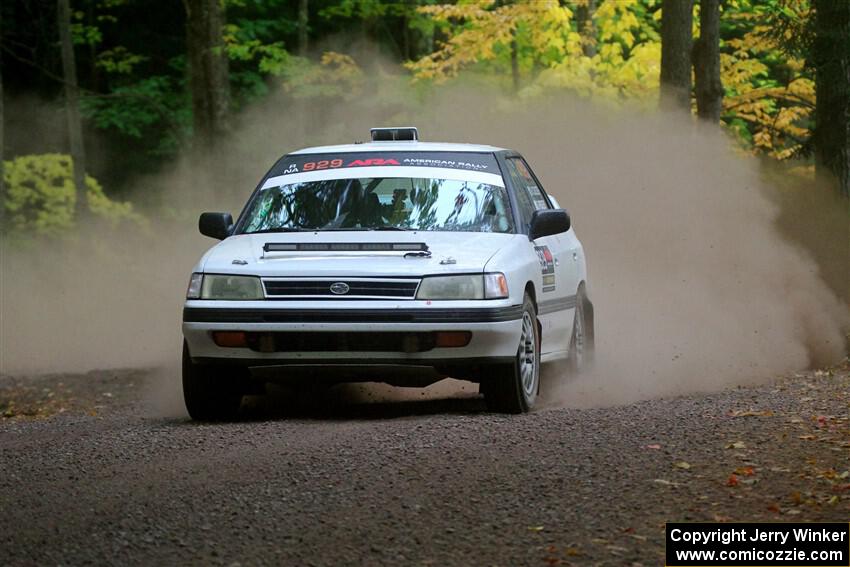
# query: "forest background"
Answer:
x=121 y=120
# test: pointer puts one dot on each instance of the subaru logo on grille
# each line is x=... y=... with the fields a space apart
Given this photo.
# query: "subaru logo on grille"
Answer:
x=340 y=288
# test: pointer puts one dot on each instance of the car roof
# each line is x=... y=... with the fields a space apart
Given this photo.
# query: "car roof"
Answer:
x=405 y=146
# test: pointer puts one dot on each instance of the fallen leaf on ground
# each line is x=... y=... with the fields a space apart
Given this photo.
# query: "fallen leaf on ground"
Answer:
x=737 y=445
x=751 y=413
x=732 y=480
x=682 y=465
x=745 y=471
x=654 y=446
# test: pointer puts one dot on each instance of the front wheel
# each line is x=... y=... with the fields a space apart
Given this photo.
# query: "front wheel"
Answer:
x=513 y=388
x=210 y=392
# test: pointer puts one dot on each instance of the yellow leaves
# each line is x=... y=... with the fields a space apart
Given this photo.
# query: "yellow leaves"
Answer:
x=479 y=32
x=336 y=74
x=341 y=65
x=776 y=107
x=780 y=115
x=617 y=22
x=41 y=196
x=762 y=139
x=483 y=33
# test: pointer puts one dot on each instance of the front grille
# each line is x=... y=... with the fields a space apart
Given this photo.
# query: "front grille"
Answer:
x=341 y=288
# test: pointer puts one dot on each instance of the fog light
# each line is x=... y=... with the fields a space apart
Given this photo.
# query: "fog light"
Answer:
x=452 y=339
x=410 y=343
x=230 y=339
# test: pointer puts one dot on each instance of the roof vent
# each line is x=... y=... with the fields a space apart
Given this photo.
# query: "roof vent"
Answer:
x=396 y=134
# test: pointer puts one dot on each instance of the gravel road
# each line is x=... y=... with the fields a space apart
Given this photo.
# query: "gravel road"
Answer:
x=89 y=476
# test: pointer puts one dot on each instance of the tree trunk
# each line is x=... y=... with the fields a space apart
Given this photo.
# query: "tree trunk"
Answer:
x=676 y=43
x=832 y=86
x=708 y=87
x=514 y=63
x=2 y=144
x=303 y=20
x=208 y=73
x=72 y=106
x=586 y=29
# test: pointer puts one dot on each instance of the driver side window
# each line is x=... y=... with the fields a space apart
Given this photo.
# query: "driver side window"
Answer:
x=529 y=196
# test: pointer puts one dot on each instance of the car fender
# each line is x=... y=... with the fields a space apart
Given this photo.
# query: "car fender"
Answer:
x=520 y=264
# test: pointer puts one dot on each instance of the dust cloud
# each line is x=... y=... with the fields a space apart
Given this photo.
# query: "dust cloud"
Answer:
x=694 y=285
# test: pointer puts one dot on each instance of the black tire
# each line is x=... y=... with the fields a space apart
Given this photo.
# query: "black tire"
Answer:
x=582 y=343
x=510 y=388
x=211 y=393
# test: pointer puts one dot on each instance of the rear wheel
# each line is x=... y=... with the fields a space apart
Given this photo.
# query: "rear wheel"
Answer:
x=581 y=348
x=512 y=388
x=211 y=393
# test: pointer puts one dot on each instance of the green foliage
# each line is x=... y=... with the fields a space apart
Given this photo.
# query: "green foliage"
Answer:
x=119 y=60
x=368 y=9
x=82 y=33
x=134 y=82
x=41 y=197
x=253 y=44
x=153 y=108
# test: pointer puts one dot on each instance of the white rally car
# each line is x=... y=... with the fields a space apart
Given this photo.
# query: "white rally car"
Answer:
x=395 y=261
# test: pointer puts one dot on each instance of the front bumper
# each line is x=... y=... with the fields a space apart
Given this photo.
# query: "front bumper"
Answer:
x=494 y=327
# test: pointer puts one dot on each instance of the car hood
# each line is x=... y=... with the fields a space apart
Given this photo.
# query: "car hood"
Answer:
x=451 y=252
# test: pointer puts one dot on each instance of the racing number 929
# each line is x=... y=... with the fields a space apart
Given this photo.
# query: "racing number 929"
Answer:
x=323 y=164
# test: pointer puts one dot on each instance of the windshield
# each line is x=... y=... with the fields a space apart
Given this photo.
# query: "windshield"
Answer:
x=391 y=203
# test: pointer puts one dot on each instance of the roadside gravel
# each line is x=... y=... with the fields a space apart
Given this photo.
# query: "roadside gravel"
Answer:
x=88 y=475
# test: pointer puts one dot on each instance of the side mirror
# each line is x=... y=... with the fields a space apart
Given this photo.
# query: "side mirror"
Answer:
x=215 y=225
x=546 y=222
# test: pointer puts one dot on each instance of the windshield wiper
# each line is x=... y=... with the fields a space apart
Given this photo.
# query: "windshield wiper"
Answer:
x=279 y=229
x=339 y=229
x=327 y=229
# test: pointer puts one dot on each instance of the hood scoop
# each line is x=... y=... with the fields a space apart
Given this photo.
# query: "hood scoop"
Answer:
x=406 y=247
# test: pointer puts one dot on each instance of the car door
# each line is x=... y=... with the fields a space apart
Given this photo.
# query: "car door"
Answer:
x=555 y=301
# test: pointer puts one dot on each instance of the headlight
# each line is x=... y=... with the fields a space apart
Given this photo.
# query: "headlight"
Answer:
x=231 y=287
x=489 y=286
x=194 y=290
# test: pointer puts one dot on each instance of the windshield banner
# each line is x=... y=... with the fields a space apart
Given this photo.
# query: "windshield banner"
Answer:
x=467 y=161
